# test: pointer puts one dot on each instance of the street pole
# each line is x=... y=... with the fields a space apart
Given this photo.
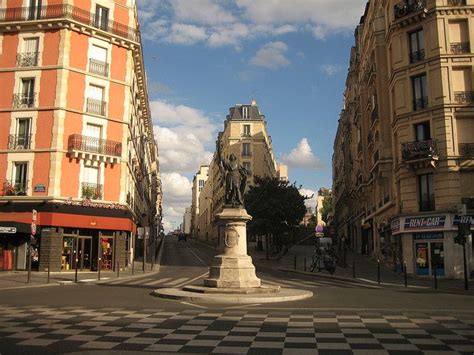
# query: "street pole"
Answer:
x=144 y=252
x=49 y=269
x=378 y=271
x=466 y=282
x=405 y=272
x=75 y=266
x=100 y=267
x=29 y=264
x=435 y=278
x=353 y=269
x=118 y=269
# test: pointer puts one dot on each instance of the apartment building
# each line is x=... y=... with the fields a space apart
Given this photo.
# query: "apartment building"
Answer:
x=199 y=180
x=78 y=159
x=246 y=136
x=403 y=162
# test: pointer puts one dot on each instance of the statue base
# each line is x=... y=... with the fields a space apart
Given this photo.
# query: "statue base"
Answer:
x=233 y=268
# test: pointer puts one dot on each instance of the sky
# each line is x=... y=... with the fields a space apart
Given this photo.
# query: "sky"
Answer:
x=204 y=56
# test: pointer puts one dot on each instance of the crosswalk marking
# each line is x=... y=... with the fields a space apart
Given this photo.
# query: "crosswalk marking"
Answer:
x=157 y=282
x=177 y=281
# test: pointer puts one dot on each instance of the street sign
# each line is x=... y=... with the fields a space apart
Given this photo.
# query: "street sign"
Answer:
x=34 y=215
x=8 y=230
x=33 y=228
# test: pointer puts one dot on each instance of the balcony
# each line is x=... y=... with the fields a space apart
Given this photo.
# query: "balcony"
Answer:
x=24 y=100
x=464 y=97
x=98 y=67
x=420 y=103
x=456 y=2
x=460 y=47
x=63 y=11
x=466 y=150
x=96 y=107
x=28 y=59
x=408 y=7
x=91 y=191
x=12 y=188
x=19 y=142
x=419 y=152
x=92 y=148
x=417 y=56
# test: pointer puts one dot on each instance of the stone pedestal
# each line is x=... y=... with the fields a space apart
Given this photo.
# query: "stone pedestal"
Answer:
x=233 y=268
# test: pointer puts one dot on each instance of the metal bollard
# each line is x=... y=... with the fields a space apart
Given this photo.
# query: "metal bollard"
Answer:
x=435 y=278
x=99 y=268
x=133 y=267
x=353 y=269
x=405 y=272
x=77 y=262
x=305 y=264
x=118 y=269
x=295 y=263
x=378 y=271
x=49 y=270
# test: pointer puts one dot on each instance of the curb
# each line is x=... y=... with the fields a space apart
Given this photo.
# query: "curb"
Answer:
x=329 y=277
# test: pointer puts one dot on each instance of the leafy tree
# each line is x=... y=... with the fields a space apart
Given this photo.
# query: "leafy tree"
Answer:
x=327 y=205
x=275 y=206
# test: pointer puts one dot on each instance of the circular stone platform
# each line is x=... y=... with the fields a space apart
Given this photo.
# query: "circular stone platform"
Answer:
x=263 y=294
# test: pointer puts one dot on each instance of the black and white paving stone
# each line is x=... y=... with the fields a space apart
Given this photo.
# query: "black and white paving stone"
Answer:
x=38 y=330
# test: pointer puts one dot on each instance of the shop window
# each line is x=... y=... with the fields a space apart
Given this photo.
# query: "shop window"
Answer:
x=106 y=245
x=426 y=196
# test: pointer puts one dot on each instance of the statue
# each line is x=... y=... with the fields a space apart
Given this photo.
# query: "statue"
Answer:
x=235 y=181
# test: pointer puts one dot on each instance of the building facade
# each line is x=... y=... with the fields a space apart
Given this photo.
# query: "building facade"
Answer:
x=404 y=163
x=77 y=152
x=246 y=136
x=198 y=184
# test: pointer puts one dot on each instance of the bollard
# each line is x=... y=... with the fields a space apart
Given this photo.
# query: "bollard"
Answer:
x=405 y=272
x=49 y=269
x=133 y=267
x=353 y=269
x=77 y=262
x=295 y=263
x=305 y=264
x=118 y=269
x=435 y=278
x=98 y=269
x=29 y=265
x=378 y=271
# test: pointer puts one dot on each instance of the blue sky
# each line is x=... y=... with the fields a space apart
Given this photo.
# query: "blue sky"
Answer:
x=204 y=56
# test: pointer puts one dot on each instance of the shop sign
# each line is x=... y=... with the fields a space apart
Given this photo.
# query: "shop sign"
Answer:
x=395 y=225
x=425 y=222
x=40 y=188
x=8 y=230
x=89 y=203
x=463 y=219
x=424 y=236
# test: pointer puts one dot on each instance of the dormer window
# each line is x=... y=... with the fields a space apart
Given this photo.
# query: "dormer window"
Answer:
x=245 y=112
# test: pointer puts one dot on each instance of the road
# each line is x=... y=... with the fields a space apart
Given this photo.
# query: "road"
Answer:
x=343 y=316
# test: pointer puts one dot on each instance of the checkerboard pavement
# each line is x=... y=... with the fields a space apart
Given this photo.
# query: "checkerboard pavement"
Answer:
x=37 y=329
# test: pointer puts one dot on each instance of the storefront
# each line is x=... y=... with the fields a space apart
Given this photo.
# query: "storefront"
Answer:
x=13 y=247
x=428 y=246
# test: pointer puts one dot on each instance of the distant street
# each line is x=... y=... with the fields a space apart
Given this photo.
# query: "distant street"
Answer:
x=121 y=314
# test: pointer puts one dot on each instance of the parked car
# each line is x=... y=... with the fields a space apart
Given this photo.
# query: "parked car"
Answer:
x=182 y=237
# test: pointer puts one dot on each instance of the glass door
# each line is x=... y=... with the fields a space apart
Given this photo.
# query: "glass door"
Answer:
x=437 y=258
x=422 y=259
x=84 y=249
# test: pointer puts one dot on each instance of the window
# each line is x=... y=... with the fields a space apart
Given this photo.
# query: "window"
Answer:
x=90 y=183
x=245 y=112
x=247 y=167
x=34 y=11
x=26 y=96
x=246 y=130
x=93 y=134
x=98 y=61
x=459 y=37
x=29 y=53
x=417 y=48
x=95 y=100
x=23 y=138
x=426 y=192
x=462 y=85
x=422 y=132
x=21 y=178
x=201 y=185
x=102 y=17
x=246 y=150
x=420 y=92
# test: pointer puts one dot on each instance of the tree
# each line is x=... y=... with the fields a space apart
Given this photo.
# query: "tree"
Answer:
x=275 y=206
x=327 y=205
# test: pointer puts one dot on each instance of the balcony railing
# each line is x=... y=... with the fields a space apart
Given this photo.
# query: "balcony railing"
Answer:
x=24 y=100
x=98 y=67
x=79 y=142
x=50 y=12
x=420 y=103
x=419 y=150
x=460 y=47
x=466 y=149
x=463 y=97
x=96 y=107
x=19 y=142
x=15 y=188
x=417 y=56
x=456 y=2
x=91 y=191
x=407 y=7
x=28 y=59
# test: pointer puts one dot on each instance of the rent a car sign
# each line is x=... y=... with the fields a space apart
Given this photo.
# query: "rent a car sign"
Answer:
x=425 y=222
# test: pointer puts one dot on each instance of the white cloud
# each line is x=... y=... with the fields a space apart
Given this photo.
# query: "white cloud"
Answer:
x=309 y=193
x=302 y=157
x=208 y=12
x=186 y=34
x=271 y=56
x=177 y=196
x=331 y=69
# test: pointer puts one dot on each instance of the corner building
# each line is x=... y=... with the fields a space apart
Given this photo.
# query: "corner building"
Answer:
x=76 y=139
x=406 y=167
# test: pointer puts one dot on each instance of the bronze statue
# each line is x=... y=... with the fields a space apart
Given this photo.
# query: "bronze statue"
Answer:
x=235 y=181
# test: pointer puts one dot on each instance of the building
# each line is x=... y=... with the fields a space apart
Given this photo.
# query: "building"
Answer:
x=198 y=184
x=403 y=153
x=308 y=217
x=76 y=137
x=187 y=221
x=245 y=135
x=322 y=194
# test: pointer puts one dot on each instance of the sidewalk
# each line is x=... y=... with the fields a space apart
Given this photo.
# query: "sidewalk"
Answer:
x=365 y=270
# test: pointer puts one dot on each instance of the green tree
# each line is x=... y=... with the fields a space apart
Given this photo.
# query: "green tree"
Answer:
x=275 y=206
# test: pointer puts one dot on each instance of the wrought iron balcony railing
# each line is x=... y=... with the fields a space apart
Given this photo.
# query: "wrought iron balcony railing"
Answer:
x=28 y=59
x=98 y=67
x=24 y=100
x=15 y=188
x=417 y=56
x=463 y=97
x=460 y=47
x=407 y=7
x=60 y=11
x=456 y=2
x=466 y=149
x=91 y=191
x=419 y=150
x=420 y=103
x=19 y=142
x=78 y=142
x=96 y=107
